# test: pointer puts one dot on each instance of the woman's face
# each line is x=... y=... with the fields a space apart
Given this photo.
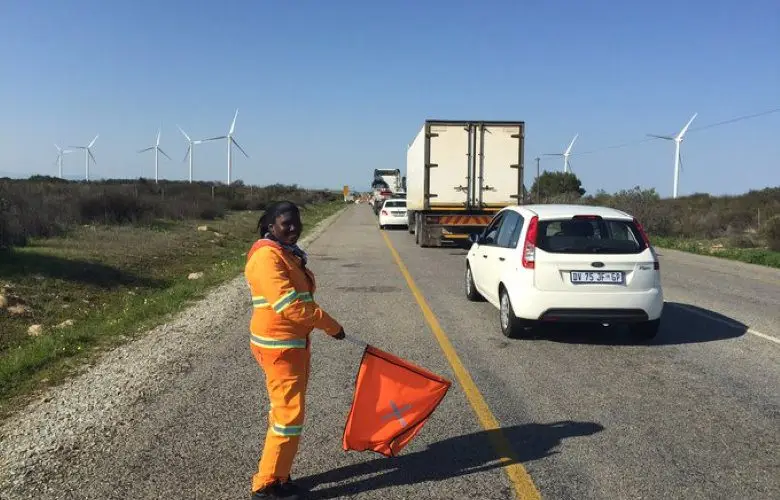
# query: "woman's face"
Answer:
x=287 y=228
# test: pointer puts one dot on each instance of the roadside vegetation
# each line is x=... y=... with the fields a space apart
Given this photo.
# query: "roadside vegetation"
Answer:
x=85 y=266
x=744 y=227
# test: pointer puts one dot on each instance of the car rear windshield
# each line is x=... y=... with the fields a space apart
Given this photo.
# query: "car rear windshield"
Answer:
x=395 y=204
x=589 y=236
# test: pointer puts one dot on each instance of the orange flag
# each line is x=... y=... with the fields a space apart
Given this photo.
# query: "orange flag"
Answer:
x=393 y=400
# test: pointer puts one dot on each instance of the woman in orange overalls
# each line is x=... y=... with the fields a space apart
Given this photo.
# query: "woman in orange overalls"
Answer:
x=284 y=314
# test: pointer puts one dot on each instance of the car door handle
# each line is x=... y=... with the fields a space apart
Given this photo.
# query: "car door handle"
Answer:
x=484 y=256
x=502 y=259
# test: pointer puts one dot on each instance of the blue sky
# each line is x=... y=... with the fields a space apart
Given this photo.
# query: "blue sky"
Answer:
x=328 y=91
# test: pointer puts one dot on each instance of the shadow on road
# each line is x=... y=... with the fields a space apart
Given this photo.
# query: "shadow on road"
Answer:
x=450 y=458
x=680 y=324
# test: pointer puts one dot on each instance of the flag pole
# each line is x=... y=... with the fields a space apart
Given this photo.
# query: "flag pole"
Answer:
x=355 y=341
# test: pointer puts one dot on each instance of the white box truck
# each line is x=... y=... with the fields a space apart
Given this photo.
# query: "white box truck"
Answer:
x=386 y=183
x=459 y=174
x=392 y=177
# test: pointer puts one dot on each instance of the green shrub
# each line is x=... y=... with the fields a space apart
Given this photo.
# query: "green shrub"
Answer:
x=42 y=207
x=772 y=233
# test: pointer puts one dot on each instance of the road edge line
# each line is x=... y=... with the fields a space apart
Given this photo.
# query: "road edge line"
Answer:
x=518 y=476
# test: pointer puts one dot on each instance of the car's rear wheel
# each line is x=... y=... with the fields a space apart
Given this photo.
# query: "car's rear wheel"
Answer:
x=511 y=325
x=645 y=330
x=471 y=291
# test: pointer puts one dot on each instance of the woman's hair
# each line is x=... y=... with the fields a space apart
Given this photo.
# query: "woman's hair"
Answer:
x=273 y=211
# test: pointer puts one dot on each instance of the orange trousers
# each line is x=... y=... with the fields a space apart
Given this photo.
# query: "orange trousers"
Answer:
x=286 y=376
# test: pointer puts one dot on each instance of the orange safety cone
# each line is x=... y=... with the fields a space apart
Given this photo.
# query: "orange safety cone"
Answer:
x=392 y=402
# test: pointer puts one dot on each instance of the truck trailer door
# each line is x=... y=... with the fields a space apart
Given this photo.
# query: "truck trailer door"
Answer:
x=450 y=159
x=498 y=162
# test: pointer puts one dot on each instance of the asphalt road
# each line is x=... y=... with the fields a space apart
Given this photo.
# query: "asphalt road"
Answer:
x=588 y=413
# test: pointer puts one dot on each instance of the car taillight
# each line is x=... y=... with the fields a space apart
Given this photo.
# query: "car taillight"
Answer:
x=656 y=264
x=384 y=212
x=529 y=247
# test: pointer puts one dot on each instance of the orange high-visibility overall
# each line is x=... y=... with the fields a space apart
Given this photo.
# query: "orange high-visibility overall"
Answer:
x=284 y=314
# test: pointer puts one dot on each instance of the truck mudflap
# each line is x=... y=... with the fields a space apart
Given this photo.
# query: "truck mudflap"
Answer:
x=431 y=230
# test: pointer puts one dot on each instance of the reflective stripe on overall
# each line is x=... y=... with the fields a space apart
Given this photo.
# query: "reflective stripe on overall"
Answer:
x=286 y=366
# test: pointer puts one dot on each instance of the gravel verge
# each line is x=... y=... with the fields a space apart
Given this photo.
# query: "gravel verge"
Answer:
x=104 y=401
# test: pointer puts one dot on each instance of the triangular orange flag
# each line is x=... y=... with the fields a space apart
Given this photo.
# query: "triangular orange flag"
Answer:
x=393 y=400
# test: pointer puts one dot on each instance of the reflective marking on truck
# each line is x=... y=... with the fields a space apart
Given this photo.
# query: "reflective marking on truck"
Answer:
x=465 y=220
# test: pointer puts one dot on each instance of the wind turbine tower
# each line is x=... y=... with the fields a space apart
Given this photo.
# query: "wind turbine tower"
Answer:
x=190 y=152
x=60 y=153
x=157 y=151
x=87 y=155
x=230 y=142
x=565 y=155
x=677 y=157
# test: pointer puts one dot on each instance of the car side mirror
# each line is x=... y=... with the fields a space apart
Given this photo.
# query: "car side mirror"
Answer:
x=475 y=237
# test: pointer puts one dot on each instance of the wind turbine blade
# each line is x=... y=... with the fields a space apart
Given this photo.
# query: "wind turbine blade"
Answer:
x=197 y=142
x=552 y=154
x=568 y=150
x=187 y=154
x=233 y=125
x=93 y=141
x=147 y=149
x=185 y=134
x=215 y=138
x=158 y=137
x=685 y=128
x=239 y=147
x=661 y=137
x=163 y=152
x=92 y=156
x=58 y=148
x=78 y=147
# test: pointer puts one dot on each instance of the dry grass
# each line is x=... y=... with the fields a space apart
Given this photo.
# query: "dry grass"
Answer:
x=111 y=283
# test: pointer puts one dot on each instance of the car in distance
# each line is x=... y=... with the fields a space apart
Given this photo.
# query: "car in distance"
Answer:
x=393 y=213
x=566 y=263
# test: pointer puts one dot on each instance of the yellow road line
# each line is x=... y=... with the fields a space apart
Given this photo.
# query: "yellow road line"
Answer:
x=518 y=476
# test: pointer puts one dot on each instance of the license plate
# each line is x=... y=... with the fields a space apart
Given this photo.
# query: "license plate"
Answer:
x=397 y=214
x=609 y=277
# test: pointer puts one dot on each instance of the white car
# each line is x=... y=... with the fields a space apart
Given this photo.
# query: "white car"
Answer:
x=561 y=263
x=393 y=213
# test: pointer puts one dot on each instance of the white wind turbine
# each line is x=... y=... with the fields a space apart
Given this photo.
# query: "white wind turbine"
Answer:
x=677 y=157
x=190 y=151
x=230 y=142
x=157 y=150
x=565 y=154
x=87 y=154
x=60 y=153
